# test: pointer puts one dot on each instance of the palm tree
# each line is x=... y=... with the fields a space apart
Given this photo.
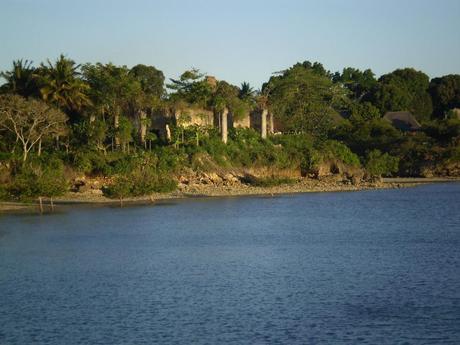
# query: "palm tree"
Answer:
x=60 y=84
x=246 y=91
x=20 y=79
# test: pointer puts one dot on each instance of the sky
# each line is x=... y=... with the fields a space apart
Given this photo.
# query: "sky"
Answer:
x=236 y=40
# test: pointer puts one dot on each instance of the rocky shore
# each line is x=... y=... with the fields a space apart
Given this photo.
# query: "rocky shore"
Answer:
x=207 y=185
x=227 y=183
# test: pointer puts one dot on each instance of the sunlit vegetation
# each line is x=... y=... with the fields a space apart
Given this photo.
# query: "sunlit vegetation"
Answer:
x=60 y=119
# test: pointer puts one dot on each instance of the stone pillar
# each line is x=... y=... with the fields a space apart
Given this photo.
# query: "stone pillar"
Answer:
x=271 y=128
x=263 y=124
x=224 y=122
x=142 y=126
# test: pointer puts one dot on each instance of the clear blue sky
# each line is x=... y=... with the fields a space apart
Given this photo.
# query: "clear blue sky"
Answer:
x=237 y=40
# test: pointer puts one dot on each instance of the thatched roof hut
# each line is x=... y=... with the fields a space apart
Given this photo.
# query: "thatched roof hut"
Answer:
x=403 y=120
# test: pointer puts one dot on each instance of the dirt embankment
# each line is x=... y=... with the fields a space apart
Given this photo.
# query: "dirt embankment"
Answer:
x=329 y=177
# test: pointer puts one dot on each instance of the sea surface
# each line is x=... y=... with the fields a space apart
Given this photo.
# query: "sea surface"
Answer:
x=370 y=267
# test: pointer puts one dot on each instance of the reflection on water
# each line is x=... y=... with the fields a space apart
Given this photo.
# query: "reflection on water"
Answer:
x=376 y=267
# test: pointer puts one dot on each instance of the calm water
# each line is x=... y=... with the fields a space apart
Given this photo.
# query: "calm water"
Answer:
x=376 y=267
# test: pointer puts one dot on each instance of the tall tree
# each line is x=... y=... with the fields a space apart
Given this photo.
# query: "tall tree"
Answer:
x=20 y=79
x=246 y=92
x=152 y=90
x=304 y=99
x=225 y=100
x=192 y=87
x=60 y=84
x=404 y=89
x=112 y=90
x=360 y=83
x=30 y=120
x=445 y=93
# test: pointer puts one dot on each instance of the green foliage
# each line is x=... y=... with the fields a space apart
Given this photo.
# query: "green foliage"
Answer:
x=360 y=83
x=124 y=131
x=363 y=112
x=150 y=78
x=90 y=162
x=444 y=131
x=378 y=164
x=120 y=188
x=20 y=79
x=404 y=89
x=445 y=93
x=305 y=100
x=143 y=178
x=376 y=134
x=4 y=195
x=106 y=103
x=60 y=84
x=42 y=178
x=339 y=151
x=192 y=88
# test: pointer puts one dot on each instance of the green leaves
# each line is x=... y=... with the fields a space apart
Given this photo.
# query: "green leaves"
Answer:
x=378 y=164
x=304 y=99
x=404 y=90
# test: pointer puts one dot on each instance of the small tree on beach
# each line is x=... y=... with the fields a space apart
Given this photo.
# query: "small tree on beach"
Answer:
x=120 y=188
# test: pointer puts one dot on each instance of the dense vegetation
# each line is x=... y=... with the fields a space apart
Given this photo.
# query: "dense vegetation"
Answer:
x=61 y=120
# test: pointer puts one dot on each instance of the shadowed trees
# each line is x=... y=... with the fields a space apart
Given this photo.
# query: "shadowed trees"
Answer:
x=445 y=93
x=404 y=89
x=360 y=83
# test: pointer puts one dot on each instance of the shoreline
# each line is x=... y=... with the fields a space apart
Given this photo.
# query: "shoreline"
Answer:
x=211 y=191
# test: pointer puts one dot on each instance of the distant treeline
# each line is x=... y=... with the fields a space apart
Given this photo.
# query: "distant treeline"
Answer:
x=60 y=119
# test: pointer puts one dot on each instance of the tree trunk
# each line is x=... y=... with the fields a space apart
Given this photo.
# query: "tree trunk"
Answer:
x=263 y=124
x=142 y=126
x=52 y=204
x=92 y=118
x=25 y=153
x=39 y=147
x=168 y=134
x=116 y=125
x=40 y=203
x=224 y=130
x=121 y=202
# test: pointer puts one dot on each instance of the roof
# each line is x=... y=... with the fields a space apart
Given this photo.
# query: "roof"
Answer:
x=403 y=120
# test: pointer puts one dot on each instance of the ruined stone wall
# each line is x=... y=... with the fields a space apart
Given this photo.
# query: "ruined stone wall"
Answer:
x=192 y=116
x=241 y=122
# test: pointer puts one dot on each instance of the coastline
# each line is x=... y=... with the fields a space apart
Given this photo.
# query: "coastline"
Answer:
x=305 y=185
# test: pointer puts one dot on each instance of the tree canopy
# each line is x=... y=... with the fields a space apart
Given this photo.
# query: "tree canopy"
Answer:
x=404 y=89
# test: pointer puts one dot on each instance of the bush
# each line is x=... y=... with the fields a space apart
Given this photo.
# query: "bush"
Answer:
x=4 y=195
x=90 y=162
x=146 y=182
x=339 y=151
x=42 y=178
x=120 y=188
x=379 y=164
